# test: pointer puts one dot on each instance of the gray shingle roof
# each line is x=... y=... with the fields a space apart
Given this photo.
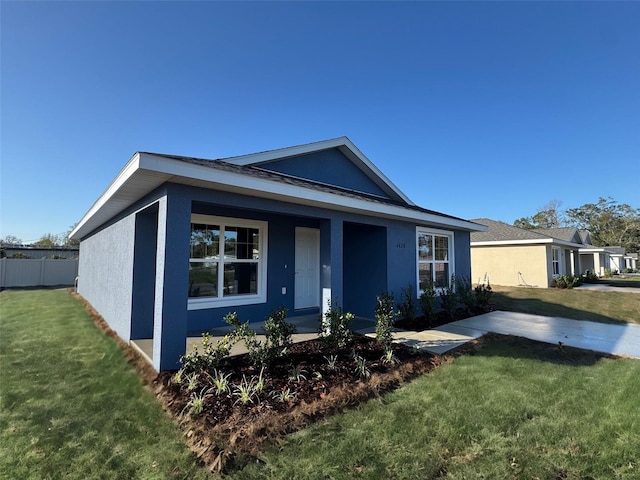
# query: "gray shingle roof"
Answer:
x=269 y=175
x=502 y=232
x=568 y=234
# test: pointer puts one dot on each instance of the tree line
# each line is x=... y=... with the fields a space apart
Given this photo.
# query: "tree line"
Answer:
x=610 y=223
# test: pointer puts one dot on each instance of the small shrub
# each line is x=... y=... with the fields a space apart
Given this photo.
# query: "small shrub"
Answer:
x=210 y=358
x=389 y=356
x=334 y=327
x=362 y=369
x=332 y=363
x=279 y=332
x=464 y=294
x=428 y=299
x=566 y=281
x=385 y=318
x=297 y=373
x=589 y=276
x=195 y=405
x=220 y=382
x=449 y=299
x=407 y=308
x=284 y=395
x=482 y=294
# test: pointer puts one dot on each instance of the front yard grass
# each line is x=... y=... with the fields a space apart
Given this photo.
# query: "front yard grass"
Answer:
x=605 y=306
x=72 y=407
x=514 y=409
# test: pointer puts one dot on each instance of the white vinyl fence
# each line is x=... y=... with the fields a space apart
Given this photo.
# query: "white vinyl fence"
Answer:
x=27 y=272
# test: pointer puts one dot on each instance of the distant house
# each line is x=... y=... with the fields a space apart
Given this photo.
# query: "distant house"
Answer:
x=176 y=242
x=509 y=255
x=513 y=256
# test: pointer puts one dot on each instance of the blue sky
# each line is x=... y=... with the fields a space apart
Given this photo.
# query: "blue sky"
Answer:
x=483 y=109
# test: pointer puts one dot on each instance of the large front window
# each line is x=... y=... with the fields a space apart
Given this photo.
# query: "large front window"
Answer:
x=435 y=258
x=227 y=261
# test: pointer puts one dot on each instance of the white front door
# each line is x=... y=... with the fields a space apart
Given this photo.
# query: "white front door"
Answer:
x=307 y=268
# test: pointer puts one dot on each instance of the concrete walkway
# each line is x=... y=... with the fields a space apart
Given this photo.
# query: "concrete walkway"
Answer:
x=601 y=287
x=616 y=339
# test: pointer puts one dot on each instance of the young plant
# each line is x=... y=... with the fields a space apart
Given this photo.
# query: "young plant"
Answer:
x=449 y=299
x=427 y=300
x=278 y=331
x=297 y=373
x=259 y=386
x=334 y=327
x=362 y=369
x=385 y=318
x=195 y=405
x=389 y=357
x=464 y=292
x=284 y=395
x=245 y=391
x=192 y=381
x=332 y=363
x=407 y=308
x=178 y=377
x=220 y=382
x=482 y=293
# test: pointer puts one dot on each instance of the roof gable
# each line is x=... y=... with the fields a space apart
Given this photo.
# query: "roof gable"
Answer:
x=336 y=162
x=568 y=234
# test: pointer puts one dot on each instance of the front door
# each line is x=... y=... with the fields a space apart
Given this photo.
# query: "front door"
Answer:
x=307 y=268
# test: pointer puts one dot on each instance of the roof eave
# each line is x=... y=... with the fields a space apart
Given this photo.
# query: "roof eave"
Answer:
x=163 y=169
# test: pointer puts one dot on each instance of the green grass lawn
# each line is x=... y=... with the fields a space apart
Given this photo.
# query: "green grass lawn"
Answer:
x=609 y=307
x=514 y=410
x=71 y=407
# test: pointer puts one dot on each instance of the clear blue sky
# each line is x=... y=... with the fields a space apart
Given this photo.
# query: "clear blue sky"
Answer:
x=472 y=109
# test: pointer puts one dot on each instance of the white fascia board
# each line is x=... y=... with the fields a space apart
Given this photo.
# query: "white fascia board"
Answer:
x=340 y=142
x=125 y=174
x=553 y=241
x=261 y=187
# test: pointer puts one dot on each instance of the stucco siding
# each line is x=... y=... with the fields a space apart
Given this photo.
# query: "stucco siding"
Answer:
x=511 y=265
x=105 y=273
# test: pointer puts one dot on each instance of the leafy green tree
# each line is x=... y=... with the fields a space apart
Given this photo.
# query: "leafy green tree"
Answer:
x=549 y=216
x=48 y=240
x=609 y=222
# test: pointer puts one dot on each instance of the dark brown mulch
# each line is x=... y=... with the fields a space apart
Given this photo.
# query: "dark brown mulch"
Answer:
x=227 y=434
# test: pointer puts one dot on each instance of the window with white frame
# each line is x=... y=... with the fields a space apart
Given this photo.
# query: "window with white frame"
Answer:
x=227 y=261
x=555 y=260
x=435 y=258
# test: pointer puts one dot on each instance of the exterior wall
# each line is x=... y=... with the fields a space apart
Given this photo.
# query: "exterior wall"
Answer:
x=105 y=273
x=328 y=166
x=527 y=265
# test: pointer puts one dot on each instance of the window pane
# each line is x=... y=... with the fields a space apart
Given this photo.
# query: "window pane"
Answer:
x=240 y=278
x=425 y=275
x=425 y=246
x=203 y=279
x=205 y=240
x=442 y=274
x=230 y=242
x=442 y=248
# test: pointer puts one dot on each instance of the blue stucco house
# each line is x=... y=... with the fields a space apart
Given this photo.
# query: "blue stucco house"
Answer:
x=175 y=243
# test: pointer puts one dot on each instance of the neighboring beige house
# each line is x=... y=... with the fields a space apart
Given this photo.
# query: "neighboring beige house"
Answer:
x=508 y=255
x=512 y=256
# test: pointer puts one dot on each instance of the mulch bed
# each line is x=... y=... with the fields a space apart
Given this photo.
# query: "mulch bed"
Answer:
x=227 y=433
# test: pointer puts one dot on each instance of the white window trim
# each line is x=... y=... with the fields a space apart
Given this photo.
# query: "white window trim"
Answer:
x=559 y=262
x=452 y=249
x=201 y=303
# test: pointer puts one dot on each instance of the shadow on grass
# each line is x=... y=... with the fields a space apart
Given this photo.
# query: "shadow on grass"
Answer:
x=509 y=346
x=615 y=282
x=535 y=306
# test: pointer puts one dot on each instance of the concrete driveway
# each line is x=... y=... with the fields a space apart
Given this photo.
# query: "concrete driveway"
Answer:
x=616 y=339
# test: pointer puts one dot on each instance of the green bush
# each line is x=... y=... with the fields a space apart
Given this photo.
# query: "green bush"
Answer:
x=590 y=276
x=334 y=327
x=385 y=318
x=482 y=294
x=464 y=293
x=278 y=331
x=407 y=308
x=428 y=303
x=449 y=299
x=566 y=281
